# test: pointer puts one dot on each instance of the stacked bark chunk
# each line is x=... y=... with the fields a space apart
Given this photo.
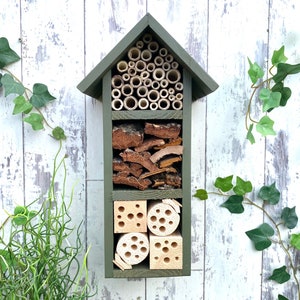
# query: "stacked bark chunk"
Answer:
x=148 y=78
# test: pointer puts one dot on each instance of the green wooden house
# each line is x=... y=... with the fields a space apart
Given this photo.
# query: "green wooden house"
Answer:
x=147 y=83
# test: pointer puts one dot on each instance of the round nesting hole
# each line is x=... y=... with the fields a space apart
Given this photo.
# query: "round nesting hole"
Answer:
x=141 y=242
x=138 y=225
x=121 y=224
x=171 y=222
x=168 y=212
x=124 y=245
x=166 y=242
x=140 y=215
x=154 y=227
x=166 y=260
x=162 y=228
x=153 y=218
x=137 y=206
x=174 y=244
x=136 y=256
x=176 y=258
x=130 y=216
x=156 y=257
x=134 y=238
x=165 y=249
x=127 y=254
x=133 y=247
x=162 y=220
x=119 y=217
x=143 y=249
x=157 y=211
x=121 y=208
x=157 y=245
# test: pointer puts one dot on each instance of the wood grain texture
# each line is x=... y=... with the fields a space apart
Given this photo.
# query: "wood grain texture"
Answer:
x=60 y=46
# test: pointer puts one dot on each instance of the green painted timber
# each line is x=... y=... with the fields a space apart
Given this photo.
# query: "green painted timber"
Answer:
x=202 y=83
x=147 y=114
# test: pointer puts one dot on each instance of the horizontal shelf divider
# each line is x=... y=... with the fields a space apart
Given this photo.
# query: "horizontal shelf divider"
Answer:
x=145 y=195
x=142 y=273
x=147 y=114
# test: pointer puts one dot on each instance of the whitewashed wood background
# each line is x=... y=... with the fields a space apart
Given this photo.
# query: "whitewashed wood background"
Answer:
x=60 y=41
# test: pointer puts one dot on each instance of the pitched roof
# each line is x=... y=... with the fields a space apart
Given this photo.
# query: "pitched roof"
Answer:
x=202 y=83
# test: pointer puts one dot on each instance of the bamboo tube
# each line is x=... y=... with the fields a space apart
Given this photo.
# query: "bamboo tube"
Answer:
x=177 y=104
x=169 y=58
x=163 y=104
x=158 y=74
x=171 y=91
x=117 y=104
x=153 y=46
x=146 y=55
x=134 y=53
x=173 y=76
x=147 y=38
x=166 y=66
x=116 y=93
x=143 y=103
x=150 y=67
x=130 y=103
x=132 y=71
x=131 y=64
x=155 y=85
x=174 y=65
x=122 y=66
x=179 y=96
x=172 y=97
x=140 y=66
x=117 y=81
x=127 y=90
x=179 y=86
x=139 y=44
x=163 y=93
x=142 y=91
x=164 y=83
x=153 y=106
x=158 y=61
x=136 y=81
x=153 y=96
x=163 y=52
x=145 y=75
x=148 y=82
x=133 y=247
x=126 y=77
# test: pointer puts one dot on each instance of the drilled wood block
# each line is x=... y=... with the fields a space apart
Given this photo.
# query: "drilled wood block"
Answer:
x=130 y=216
x=166 y=251
x=133 y=247
x=162 y=219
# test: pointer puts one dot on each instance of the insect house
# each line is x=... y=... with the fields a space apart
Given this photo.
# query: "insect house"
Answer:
x=147 y=84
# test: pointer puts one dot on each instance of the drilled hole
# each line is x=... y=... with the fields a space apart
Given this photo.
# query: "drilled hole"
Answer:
x=144 y=249
x=165 y=249
x=166 y=260
x=153 y=218
x=174 y=244
x=140 y=215
x=133 y=247
x=137 y=205
x=162 y=220
x=162 y=228
x=127 y=254
x=157 y=245
x=168 y=212
x=134 y=238
x=130 y=216
x=121 y=224
x=121 y=208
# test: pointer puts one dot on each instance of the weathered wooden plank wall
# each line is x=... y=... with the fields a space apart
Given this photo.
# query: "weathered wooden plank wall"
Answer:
x=61 y=41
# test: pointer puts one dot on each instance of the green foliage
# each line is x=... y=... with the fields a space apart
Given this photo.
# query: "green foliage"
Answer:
x=25 y=99
x=272 y=92
x=39 y=255
x=236 y=192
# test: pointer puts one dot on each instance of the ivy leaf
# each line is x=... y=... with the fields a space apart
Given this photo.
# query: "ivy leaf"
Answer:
x=260 y=236
x=281 y=297
x=289 y=217
x=283 y=70
x=270 y=99
x=40 y=95
x=201 y=194
x=21 y=105
x=11 y=86
x=250 y=135
x=58 y=133
x=285 y=92
x=280 y=275
x=7 y=55
x=242 y=187
x=224 y=184
x=255 y=72
x=234 y=204
x=35 y=120
x=278 y=57
x=265 y=126
x=269 y=194
x=295 y=240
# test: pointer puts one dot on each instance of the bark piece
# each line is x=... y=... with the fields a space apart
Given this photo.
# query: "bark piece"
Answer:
x=142 y=158
x=169 y=161
x=148 y=144
x=127 y=135
x=177 y=150
x=133 y=168
x=159 y=171
x=164 y=131
x=140 y=184
x=172 y=142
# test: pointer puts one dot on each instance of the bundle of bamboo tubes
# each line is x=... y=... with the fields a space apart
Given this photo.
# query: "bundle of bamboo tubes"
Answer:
x=147 y=78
